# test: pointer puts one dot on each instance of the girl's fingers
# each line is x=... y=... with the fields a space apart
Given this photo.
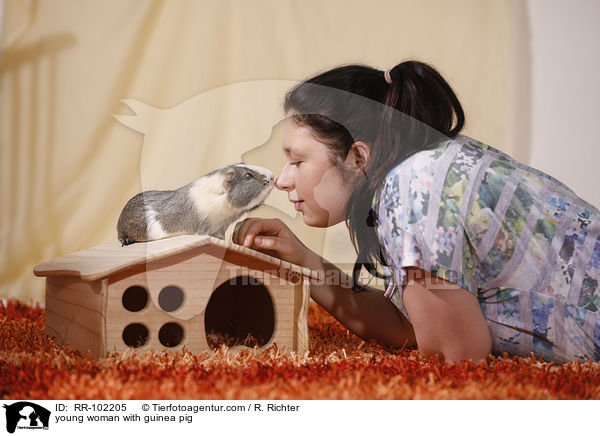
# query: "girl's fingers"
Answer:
x=236 y=232
x=262 y=227
x=266 y=242
x=239 y=231
x=247 y=230
x=270 y=236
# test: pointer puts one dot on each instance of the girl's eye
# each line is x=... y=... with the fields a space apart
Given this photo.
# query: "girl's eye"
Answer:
x=294 y=163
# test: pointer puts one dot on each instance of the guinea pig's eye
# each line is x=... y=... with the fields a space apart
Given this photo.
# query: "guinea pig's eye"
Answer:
x=248 y=176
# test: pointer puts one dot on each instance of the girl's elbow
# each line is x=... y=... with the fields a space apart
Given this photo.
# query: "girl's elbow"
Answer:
x=458 y=353
x=478 y=353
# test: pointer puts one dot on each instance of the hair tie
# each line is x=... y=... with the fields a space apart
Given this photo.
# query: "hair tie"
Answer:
x=387 y=76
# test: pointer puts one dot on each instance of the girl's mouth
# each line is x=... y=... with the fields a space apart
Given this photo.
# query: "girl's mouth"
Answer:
x=298 y=204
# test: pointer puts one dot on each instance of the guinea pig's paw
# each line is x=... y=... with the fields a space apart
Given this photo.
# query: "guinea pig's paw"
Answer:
x=127 y=241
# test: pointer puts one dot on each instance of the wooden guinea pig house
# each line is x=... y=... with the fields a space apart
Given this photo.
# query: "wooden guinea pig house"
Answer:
x=186 y=291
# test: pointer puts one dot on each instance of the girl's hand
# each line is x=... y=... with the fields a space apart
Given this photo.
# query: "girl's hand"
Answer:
x=273 y=237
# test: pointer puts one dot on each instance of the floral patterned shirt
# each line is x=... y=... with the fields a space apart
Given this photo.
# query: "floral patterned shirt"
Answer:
x=521 y=241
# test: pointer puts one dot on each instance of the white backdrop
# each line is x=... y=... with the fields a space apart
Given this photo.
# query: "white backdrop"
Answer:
x=565 y=92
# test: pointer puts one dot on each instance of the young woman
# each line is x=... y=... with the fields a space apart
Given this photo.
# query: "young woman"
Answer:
x=482 y=254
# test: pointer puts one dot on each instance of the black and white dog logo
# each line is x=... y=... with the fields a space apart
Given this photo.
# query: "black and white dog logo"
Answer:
x=26 y=415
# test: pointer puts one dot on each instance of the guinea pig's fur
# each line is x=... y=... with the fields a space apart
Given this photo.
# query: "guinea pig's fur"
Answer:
x=206 y=206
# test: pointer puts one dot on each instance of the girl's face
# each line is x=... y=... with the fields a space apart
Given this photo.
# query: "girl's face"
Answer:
x=314 y=185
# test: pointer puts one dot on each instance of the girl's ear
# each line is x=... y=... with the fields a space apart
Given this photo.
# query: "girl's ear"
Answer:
x=359 y=156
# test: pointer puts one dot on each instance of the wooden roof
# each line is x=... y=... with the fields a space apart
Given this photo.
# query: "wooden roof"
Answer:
x=106 y=259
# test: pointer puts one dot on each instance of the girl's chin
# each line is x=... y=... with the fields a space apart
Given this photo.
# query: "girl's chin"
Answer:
x=315 y=221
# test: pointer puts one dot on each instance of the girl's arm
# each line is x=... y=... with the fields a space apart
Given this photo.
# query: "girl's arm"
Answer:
x=447 y=318
x=369 y=315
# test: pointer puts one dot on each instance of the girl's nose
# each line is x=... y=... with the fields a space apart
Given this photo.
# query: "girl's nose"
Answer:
x=283 y=182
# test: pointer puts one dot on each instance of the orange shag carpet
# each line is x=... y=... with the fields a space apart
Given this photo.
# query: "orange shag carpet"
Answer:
x=338 y=366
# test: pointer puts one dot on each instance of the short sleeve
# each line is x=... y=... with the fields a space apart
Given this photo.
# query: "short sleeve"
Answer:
x=401 y=239
x=411 y=235
x=400 y=236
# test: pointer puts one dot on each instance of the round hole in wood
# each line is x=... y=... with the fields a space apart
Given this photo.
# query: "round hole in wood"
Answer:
x=170 y=298
x=135 y=335
x=170 y=334
x=135 y=298
x=240 y=312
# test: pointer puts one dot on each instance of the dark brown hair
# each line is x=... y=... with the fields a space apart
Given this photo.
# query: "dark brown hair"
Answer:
x=355 y=103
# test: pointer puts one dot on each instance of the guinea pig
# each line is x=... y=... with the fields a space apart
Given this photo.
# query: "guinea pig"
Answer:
x=206 y=206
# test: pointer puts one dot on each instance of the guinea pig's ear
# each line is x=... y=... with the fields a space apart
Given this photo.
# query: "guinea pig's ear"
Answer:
x=228 y=178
